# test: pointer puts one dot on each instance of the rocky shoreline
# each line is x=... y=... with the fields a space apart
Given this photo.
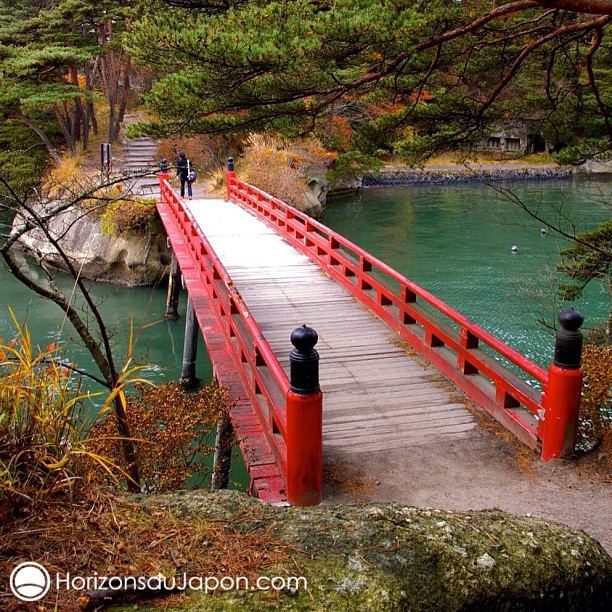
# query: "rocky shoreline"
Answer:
x=441 y=175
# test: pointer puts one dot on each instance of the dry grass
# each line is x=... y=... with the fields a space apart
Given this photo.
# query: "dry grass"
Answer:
x=44 y=430
x=110 y=536
x=279 y=167
x=452 y=158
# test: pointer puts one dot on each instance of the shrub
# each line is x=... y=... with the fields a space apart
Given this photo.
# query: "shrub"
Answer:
x=172 y=428
x=123 y=217
x=596 y=406
x=43 y=424
x=280 y=167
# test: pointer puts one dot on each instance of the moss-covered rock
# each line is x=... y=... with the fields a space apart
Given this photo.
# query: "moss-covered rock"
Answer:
x=393 y=557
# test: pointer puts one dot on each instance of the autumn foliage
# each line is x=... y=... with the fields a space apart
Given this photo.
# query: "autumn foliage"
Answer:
x=279 y=167
x=596 y=406
x=172 y=429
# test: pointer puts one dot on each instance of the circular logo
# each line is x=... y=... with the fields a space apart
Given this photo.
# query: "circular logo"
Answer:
x=30 y=581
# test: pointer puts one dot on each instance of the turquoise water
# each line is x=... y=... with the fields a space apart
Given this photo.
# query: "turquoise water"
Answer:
x=158 y=342
x=456 y=242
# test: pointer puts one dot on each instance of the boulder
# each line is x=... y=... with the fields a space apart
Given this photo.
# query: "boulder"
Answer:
x=131 y=260
x=394 y=557
x=593 y=166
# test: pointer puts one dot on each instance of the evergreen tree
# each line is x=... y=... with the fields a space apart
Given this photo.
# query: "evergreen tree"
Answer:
x=589 y=259
x=51 y=54
x=405 y=76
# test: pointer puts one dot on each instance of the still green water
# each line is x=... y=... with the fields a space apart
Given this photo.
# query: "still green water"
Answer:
x=158 y=343
x=453 y=240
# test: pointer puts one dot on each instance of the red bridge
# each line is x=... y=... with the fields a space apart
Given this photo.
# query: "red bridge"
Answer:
x=256 y=269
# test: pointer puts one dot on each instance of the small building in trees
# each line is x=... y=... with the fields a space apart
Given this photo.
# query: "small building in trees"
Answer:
x=514 y=140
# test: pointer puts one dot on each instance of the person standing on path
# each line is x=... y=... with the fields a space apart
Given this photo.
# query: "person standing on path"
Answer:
x=182 y=171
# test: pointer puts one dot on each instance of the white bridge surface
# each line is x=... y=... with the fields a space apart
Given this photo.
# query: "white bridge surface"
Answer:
x=376 y=395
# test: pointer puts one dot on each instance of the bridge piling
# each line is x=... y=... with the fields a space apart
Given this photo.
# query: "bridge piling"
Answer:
x=222 y=457
x=304 y=421
x=564 y=388
x=190 y=348
x=174 y=288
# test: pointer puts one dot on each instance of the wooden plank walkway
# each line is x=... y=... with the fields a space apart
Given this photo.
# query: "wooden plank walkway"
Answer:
x=375 y=395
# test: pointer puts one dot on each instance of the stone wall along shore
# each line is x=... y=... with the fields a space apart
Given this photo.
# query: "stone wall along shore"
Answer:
x=463 y=174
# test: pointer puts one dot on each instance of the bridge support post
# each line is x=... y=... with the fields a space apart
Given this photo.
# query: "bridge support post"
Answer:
x=304 y=421
x=222 y=459
x=229 y=175
x=190 y=348
x=563 y=391
x=174 y=288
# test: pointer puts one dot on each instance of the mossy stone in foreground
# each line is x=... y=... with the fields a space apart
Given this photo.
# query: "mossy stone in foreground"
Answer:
x=393 y=557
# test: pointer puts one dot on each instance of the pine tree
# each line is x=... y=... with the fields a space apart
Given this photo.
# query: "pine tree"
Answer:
x=404 y=76
x=589 y=259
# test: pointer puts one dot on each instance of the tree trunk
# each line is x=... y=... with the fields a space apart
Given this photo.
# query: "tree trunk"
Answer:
x=104 y=361
x=77 y=110
x=609 y=322
x=89 y=107
x=124 y=65
x=61 y=120
x=40 y=133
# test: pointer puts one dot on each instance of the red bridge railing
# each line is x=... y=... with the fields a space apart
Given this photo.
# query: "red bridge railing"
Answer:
x=466 y=353
x=295 y=437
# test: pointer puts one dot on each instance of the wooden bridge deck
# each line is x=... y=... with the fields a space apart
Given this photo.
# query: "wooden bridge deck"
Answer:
x=376 y=395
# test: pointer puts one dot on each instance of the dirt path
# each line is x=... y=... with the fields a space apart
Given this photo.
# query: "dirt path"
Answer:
x=487 y=469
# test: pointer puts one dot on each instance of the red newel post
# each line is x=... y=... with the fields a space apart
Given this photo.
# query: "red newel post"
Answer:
x=230 y=175
x=304 y=421
x=564 y=389
x=163 y=176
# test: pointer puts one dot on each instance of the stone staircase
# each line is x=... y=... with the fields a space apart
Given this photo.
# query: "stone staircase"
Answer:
x=140 y=157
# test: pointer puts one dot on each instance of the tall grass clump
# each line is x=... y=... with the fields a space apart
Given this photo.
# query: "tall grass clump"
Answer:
x=280 y=167
x=44 y=424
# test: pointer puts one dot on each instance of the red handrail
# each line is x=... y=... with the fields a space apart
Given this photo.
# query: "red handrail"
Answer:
x=439 y=332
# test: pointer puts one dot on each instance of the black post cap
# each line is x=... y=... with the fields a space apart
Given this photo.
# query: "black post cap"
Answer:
x=304 y=361
x=230 y=164
x=570 y=319
x=163 y=164
x=568 y=340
